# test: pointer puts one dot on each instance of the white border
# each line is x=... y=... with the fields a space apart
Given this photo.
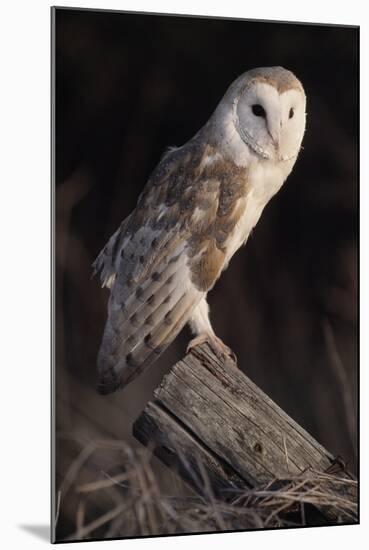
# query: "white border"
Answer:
x=25 y=282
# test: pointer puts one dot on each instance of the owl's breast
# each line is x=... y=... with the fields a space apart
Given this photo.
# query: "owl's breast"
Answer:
x=264 y=180
x=228 y=205
x=250 y=211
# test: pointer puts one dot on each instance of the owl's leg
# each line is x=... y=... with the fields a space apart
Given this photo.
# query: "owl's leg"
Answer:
x=201 y=327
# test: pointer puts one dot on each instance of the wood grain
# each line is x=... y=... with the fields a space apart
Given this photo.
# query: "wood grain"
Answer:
x=209 y=416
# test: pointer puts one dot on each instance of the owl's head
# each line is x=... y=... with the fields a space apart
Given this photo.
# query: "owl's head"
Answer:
x=266 y=107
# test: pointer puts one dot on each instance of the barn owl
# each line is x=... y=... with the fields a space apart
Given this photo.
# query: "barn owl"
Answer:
x=198 y=207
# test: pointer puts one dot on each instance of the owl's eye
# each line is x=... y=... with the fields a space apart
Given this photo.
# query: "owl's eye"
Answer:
x=292 y=112
x=258 y=110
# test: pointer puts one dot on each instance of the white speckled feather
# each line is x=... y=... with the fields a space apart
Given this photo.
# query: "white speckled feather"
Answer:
x=198 y=207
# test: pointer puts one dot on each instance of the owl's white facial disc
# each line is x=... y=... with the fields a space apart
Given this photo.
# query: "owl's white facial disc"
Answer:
x=271 y=123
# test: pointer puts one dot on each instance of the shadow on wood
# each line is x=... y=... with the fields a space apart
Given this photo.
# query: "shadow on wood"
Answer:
x=221 y=433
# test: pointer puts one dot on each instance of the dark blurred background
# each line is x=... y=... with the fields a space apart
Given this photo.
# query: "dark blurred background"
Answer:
x=129 y=85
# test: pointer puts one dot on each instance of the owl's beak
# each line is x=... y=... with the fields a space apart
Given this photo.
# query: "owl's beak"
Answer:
x=274 y=130
x=275 y=134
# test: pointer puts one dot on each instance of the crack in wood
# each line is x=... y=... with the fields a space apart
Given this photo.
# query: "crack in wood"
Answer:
x=205 y=410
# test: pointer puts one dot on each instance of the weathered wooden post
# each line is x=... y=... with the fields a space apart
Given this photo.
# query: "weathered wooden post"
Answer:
x=210 y=415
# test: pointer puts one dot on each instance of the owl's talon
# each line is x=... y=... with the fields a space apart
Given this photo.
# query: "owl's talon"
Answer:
x=196 y=342
x=223 y=352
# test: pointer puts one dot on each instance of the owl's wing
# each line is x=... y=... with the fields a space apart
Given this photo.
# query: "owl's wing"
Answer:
x=152 y=296
x=107 y=262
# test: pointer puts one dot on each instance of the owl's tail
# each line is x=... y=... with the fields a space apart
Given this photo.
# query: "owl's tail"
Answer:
x=142 y=327
x=142 y=348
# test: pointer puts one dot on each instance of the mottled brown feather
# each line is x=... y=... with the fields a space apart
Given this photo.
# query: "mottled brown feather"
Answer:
x=184 y=213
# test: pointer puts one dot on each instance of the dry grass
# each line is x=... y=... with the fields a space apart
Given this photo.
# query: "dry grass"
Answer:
x=135 y=504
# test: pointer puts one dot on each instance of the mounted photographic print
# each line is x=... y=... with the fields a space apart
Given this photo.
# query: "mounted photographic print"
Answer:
x=205 y=254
